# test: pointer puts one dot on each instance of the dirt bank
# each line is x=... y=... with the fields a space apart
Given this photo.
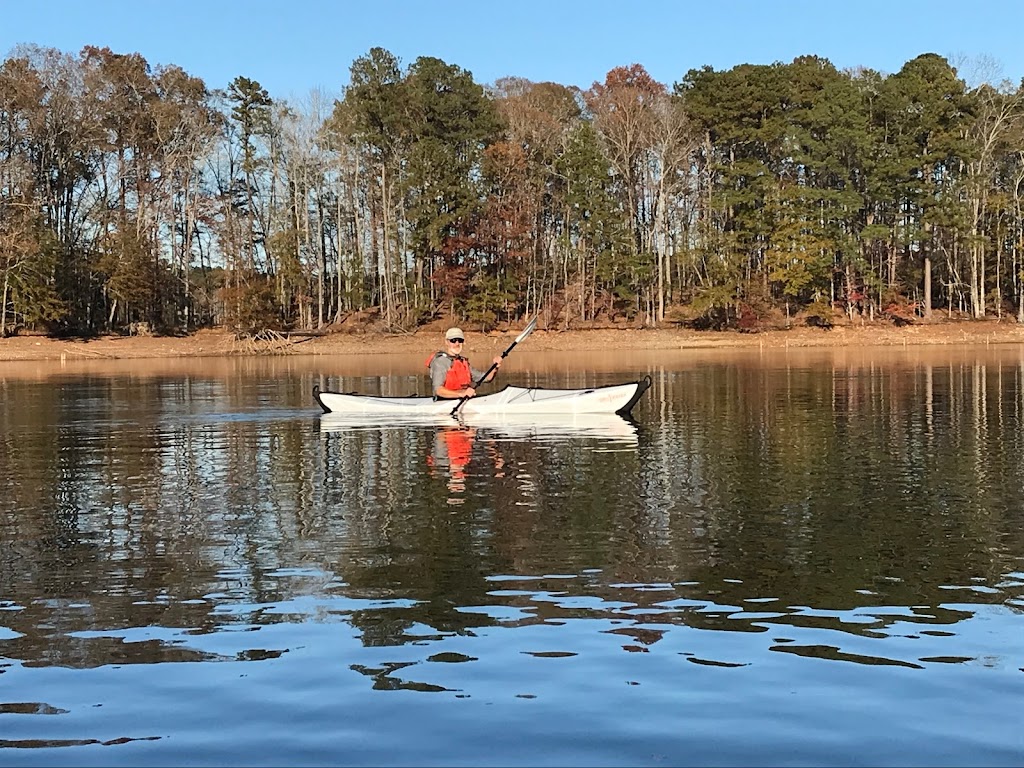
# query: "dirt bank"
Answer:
x=218 y=343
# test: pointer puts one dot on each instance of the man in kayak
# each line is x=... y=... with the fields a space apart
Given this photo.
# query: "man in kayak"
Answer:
x=451 y=376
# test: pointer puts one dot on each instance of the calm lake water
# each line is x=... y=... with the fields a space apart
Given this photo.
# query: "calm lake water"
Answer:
x=785 y=558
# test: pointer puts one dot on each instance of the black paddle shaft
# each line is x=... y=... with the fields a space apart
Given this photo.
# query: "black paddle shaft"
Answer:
x=526 y=332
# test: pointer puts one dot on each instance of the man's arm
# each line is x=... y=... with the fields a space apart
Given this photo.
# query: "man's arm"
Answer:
x=477 y=374
x=453 y=394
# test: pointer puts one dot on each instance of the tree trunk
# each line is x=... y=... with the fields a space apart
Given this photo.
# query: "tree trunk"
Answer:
x=927 y=287
x=3 y=306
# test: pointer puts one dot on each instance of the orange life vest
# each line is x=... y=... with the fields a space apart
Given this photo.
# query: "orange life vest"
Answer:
x=459 y=375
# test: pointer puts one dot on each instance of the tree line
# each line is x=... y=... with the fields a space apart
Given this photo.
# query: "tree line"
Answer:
x=136 y=197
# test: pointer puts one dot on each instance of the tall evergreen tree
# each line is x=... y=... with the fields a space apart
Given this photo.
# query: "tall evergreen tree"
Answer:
x=451 y=123
x=923 y=111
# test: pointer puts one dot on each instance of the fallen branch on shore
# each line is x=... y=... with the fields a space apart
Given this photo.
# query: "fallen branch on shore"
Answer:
x=268 y=342
x=88 y=352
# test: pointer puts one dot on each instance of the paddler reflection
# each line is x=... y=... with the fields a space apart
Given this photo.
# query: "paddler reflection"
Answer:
x=453 y=451
x=453 y=448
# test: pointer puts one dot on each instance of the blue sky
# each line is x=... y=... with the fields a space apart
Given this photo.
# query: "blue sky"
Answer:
x=294 y=47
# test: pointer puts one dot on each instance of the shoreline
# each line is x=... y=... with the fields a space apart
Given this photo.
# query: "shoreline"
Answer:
x=216 y=343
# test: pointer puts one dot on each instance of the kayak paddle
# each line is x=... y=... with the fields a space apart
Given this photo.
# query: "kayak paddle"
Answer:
x=526 y=332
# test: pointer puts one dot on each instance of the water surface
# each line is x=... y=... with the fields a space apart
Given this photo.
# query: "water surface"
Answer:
x=785 y=558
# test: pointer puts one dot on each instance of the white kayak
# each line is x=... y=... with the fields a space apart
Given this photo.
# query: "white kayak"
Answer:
x=614 y=398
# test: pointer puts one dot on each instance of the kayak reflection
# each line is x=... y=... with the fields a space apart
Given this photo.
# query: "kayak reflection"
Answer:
x=611 y=429
x=479 y=439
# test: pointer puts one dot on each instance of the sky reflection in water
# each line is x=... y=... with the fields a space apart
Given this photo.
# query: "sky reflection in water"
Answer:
x=775 y=562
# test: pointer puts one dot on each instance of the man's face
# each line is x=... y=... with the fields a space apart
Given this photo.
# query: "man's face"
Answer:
x=455 y=346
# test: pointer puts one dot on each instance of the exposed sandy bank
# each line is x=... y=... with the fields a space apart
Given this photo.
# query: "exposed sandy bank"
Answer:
x=218 y=343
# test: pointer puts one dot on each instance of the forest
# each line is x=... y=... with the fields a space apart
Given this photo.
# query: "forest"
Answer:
x=137 y=199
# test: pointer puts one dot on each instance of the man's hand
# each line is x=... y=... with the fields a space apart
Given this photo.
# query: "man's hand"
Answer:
x=468 y=392
x=497 y=365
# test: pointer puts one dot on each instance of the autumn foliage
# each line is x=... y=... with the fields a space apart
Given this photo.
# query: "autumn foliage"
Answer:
x=752 y=197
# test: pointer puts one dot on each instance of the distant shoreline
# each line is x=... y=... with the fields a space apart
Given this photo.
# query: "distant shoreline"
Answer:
x=210 y=343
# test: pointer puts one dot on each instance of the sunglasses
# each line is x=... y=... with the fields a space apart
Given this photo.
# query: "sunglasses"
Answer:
x=455 y=341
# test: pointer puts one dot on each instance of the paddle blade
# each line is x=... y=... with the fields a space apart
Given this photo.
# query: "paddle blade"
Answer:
x=527 y=330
